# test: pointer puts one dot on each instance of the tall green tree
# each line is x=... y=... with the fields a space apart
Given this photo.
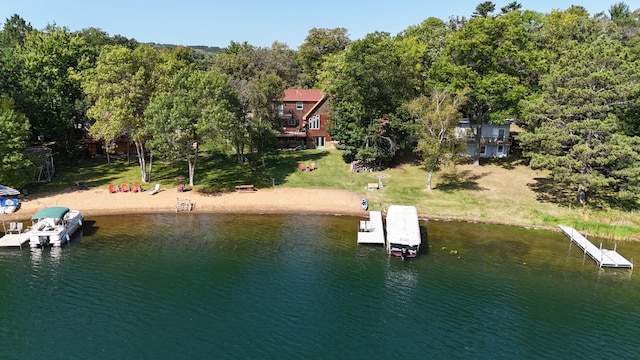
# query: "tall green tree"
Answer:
x=620 y=13
x=512 y=6
x=437 y=117
x=484 y=9
x=14 y=131
x=432 y=33
x=49 y=93
x=278 y=60
x=496 y=59
x=573 y=130
x=260 y=77
x=120 y=88
x=14 y=32
x=238 y=60
x=319 y=43
x=369 y=82
x=188 y=111
x=264 y=92
x=12 y=35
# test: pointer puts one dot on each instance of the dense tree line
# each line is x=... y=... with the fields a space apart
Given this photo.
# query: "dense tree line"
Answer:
x=571 y=79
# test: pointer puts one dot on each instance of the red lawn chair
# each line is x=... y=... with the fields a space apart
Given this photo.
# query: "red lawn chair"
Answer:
x=135 y=188
x=112 y=189
x=301 y=166
x=124 y=188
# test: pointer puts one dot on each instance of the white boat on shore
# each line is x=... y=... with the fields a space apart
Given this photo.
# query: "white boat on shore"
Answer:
x=53 y=226
x=403 y=231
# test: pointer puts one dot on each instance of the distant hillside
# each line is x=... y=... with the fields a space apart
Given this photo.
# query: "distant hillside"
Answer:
x=199 y=49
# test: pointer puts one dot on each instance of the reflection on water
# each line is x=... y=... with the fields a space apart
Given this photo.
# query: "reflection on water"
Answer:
x=52 y=254
x=298 y=286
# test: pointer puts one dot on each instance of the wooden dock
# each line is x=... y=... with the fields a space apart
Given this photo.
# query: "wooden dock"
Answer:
x=602 y=257
x=14 y=240
x=372 y=231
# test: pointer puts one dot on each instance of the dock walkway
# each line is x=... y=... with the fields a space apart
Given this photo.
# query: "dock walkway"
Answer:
x=602 y=257
x=14 y=240
x=372 y=231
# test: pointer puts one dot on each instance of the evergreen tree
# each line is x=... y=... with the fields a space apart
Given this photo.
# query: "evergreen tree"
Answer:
x=576 y=134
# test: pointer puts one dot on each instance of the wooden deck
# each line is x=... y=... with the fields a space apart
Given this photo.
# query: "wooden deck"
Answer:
x=372 y=231
x=602 y=257
x=14 y=240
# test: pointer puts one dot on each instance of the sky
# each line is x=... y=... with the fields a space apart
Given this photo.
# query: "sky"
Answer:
x=258 y=22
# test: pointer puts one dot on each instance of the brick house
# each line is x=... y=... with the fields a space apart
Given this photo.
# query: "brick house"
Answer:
x=304 y=116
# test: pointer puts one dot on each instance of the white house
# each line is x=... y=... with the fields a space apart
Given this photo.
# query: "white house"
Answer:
x=495 y=139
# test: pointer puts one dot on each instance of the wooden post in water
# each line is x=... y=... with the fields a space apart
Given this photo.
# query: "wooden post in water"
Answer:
x=601 y=255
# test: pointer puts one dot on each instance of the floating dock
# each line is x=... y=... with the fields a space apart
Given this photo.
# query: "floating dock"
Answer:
x=372 y=231
x=14 y=240
x=602 y=257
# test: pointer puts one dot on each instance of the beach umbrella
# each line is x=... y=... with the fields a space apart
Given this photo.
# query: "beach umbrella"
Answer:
x=7 y=191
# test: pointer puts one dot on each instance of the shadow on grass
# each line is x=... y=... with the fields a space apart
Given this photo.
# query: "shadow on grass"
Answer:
x=94 y=173
x=509 y=163
x=286 y=163
x=214 y=173
x=549 y=191
x=224 y=172
x=460 y=181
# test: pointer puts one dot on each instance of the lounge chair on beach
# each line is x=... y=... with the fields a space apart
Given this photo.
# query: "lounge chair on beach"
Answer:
x=155 y=190
x=112 y=189
x=124 y=188
x=181 y=188
x=135 y=188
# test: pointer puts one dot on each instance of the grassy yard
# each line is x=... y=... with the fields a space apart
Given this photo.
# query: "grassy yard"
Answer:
x=497 y=192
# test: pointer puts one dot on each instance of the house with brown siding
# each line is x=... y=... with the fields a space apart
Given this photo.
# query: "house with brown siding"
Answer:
x=121 y=145
x=304 y=114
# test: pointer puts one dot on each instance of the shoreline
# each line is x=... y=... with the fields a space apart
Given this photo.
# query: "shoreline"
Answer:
x=286 y=200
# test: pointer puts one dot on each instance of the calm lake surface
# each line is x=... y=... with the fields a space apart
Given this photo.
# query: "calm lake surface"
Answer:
x=268 y=286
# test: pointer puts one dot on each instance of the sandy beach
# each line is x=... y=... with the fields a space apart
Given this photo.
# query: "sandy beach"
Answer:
x=279 y=200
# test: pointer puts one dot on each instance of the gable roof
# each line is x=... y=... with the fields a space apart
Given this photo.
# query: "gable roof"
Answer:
x=302 y=95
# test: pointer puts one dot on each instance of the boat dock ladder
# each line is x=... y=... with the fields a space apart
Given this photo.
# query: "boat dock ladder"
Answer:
x=183 y=205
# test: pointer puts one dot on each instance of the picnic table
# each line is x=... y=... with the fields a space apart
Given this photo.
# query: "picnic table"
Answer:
x=245 y=188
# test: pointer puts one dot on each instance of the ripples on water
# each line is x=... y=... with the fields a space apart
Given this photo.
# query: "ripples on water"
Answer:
x=238 y=286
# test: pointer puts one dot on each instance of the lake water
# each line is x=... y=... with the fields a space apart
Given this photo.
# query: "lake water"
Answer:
x=187 y=286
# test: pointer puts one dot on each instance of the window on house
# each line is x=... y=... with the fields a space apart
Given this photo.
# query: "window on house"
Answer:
x=280 y=109
x=292 y=122
x=500 y=149
x=299 y=105
x=483 y=150
x=314 y=122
